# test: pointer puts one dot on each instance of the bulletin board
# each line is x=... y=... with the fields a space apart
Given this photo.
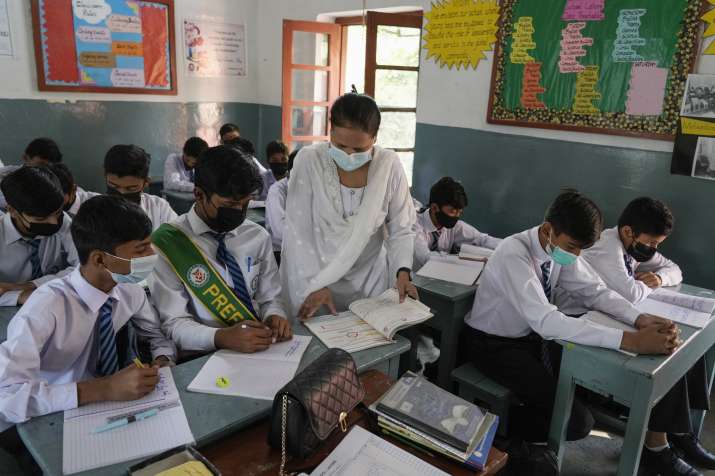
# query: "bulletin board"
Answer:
x=107 y=46
x=611 y=67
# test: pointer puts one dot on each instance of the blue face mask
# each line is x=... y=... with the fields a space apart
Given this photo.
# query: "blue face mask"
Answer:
x=561 y=257
x=140 y=268
x=349 y=162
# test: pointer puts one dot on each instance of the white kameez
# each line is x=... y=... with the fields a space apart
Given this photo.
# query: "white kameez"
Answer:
x=355 y=256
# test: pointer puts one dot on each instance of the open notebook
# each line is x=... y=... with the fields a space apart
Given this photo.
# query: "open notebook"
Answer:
x=474 y=253
x=453 y=269
x=369 y=322
x=693 y=311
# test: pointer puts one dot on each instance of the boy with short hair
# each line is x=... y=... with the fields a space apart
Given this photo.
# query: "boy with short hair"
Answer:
x=247 y=147
x=276 y=208
x=35 y=241
x=277 y=155
x=179 y=168
x=75 y=196
x=126 y=170
x=39 y=152
x=438 y=227
x=72 y=344
x=216 y=284
x=228 y=131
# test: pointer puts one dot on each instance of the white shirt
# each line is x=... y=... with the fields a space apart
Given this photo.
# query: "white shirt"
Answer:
x=608 y=257
x=449 y=240
x=183 y=316
x=57 y=256
x=157 y=209
x=176 y=175
x=81 y=196
x=52 y=344
x=261 y=168
x=511 y=302
x=268 y=180
x=276 y=212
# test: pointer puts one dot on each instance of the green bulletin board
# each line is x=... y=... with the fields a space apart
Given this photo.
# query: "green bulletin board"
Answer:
x=605 y=66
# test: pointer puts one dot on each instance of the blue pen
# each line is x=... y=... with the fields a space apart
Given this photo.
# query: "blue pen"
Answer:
x=249 y=263
x=127 y=420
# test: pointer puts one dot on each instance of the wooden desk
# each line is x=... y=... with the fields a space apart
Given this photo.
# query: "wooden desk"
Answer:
x=181 y=202
x=6 y=315
x=637 y=382
x=449 y=302
x=248 y=452
x=210 y=416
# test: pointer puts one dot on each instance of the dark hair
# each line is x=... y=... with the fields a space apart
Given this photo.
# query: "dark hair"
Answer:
x=447 y=191
x=127 y=161
x=105 y=222
x=291 y=158
x=243 y=144
x=35 y=191
x=276 y=147
x=44 y=148
x=64 y=175
x=194 y=147
x=356 y=111
x=647 y=215
x=228 y=127
x=227 y=172
x=577 y=216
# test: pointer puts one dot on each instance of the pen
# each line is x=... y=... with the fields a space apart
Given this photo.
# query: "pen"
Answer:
x=127 y=420
x=138 y=363
x=249 y=263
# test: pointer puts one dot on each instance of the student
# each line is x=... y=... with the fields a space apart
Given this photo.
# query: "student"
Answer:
x=39 y=152
x=228 y=131
x=247 y=147
x=126 y=170
x=179 y=168
x=75 y=196
x=242 y=309
x=438 y=228
x=349 y=217
x=277 y=154
x=71 y=343
x=276 y=208
x=513 y=319
x=35 y=241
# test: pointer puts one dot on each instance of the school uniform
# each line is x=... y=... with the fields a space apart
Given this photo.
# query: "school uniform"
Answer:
x=59 y=337
x=81 y=196
x=276 y=212
x=157 y=209
x=37 y=260
x=430 y=241
x=268 y=180
x=176 y=176
x=183 y=317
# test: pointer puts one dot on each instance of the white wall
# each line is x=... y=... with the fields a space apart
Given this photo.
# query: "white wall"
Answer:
x=20 y=78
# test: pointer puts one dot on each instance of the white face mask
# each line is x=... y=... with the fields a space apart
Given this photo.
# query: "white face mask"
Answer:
x=349 y=162
x=141 y=268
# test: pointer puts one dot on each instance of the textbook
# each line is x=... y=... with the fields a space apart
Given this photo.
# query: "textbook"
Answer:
x=422 y=405
x=453 y=269
x=693 y=311
x=369 y=323
x=474 y=253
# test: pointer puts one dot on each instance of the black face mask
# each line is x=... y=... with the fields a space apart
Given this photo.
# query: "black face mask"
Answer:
x=279 y=169
x=226 y=219
x=445 y=220
x=43 y=229
x=134 y=197
x=641 y=252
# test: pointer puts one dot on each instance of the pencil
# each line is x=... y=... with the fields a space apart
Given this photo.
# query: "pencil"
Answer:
x=138 y=363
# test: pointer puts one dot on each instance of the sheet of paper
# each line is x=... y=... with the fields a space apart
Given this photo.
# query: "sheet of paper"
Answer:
x=386 y=314
x=531 y=87
x=587 y=91
x=474 y=253
x=573 y=47
x=602 y=320
x=244 y=375
x=83 y=449
x=628 y=36
x=346 y=331
x=696 y=303
x=584 y=10
x=453 y=270
x=361 y=452
x=646 y=92
x=675 y=313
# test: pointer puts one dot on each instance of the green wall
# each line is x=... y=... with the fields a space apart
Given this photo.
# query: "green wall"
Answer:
x=512 y=179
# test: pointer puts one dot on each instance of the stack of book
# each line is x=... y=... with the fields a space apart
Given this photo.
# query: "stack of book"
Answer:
x=422 y=415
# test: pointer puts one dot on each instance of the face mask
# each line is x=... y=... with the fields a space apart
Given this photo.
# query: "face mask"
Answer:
x=43 y=229
x=445 y=220
x=134 y=197
x=226 y=219
x=641 y=252
x=279 y=169
x=561 y=257
x=349 y=162
x=140 y=268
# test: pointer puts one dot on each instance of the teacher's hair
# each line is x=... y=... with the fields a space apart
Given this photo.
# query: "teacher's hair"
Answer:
x=356 y=111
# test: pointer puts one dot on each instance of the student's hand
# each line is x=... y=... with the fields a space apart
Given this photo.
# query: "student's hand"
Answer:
x=131 y=383
x=7 y=287
x=247 y=337
x=405 y=287
x=651 y=280
x=163 y=361
x=24 y=296
x=650 y=340
x=666 y=325
x=280 y=327
x=314 y=301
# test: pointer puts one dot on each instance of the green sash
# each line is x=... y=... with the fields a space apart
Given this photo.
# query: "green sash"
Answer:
x=199 y=276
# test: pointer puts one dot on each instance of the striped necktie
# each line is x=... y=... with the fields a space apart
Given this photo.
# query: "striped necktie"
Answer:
x=108 y=360
x=35 y=258
x=629 y=264
x=229 y=261
x=435 y=240
x=546 y=279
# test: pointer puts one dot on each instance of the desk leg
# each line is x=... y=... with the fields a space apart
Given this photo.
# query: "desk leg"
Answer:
x=565 y=391
x=636 y=428
x=697 y=417
x=393 y=366
x=449 y=343
x=408 y=360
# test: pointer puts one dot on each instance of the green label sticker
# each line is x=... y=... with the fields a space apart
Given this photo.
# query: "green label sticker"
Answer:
x=222 y=382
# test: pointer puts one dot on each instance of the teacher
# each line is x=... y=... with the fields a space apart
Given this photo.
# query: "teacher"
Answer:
x=349 y=217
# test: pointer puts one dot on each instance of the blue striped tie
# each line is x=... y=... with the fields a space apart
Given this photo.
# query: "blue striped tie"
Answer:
x=435 y=240
x=229 y=261
x=35 y=258
x=629 y=264
x=108 y=362
x=546 y=278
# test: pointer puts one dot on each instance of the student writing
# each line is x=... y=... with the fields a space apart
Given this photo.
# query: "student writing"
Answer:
x=179 y=168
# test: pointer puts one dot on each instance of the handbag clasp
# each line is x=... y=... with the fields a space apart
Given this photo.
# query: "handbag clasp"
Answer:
x=343 y=420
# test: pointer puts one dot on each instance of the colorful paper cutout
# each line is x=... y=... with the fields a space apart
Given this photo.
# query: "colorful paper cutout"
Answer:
x=584 y=10
x=124 y=23
x=572 y=48
x=127 y=48
x=709 y=18
x=628 y=36
x=94 y=34
x=523 y=40
x=697 y=127
x=586 y=91
x=91 y=11
x=97 y=59
x=459 y=32
x=646 y=92
x=531 y=86
x=155 y=37
x=127 y=78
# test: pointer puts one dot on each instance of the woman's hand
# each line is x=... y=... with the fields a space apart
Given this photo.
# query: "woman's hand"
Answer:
x=405 y=287
x=314 y=301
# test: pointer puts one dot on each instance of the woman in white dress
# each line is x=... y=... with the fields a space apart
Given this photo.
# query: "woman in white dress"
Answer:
x=349 y=215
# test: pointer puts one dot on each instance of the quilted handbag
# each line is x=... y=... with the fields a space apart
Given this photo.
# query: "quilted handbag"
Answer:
x=309 y=407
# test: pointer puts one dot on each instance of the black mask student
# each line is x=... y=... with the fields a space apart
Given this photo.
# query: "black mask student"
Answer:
x=226 y=219
x=43 y=229
x=445 y=220
x=134 y=197
x=279 y=169
x=641 y=252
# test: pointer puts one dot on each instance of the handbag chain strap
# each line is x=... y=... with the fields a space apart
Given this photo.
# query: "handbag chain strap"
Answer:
x=284 y=419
